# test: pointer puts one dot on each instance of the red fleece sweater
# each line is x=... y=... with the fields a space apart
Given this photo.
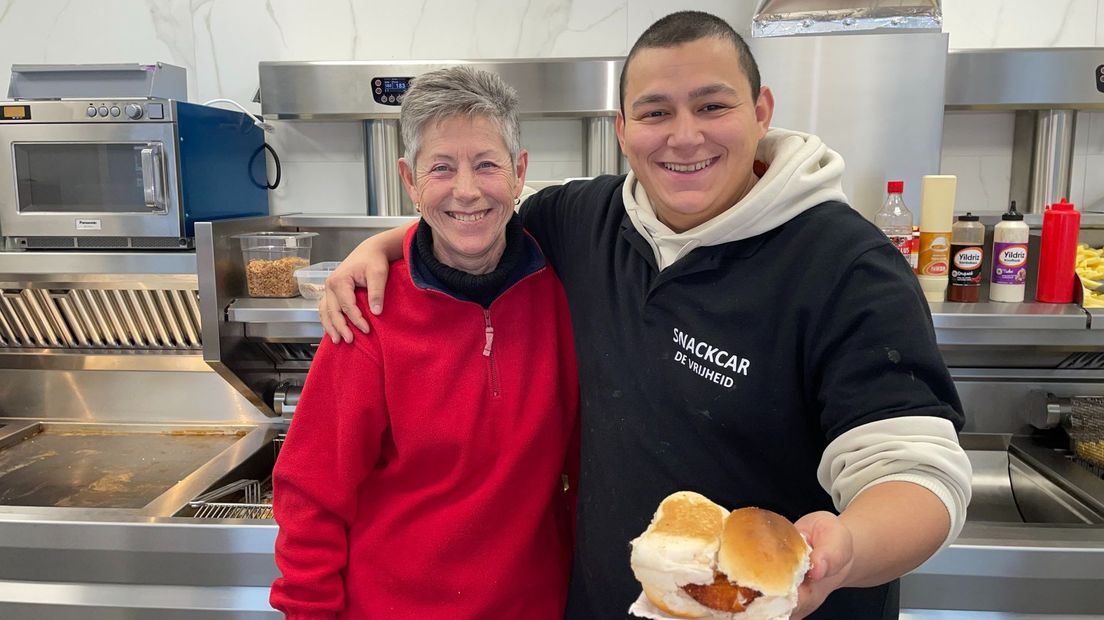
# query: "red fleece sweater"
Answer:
x=421 y=478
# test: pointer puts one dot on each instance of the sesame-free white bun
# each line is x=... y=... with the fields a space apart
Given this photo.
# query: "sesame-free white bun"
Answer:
x=690 y=539
x=679 y=547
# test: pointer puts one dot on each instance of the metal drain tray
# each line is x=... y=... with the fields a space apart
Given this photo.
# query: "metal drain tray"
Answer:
x=1023 y=481
x=122 y=469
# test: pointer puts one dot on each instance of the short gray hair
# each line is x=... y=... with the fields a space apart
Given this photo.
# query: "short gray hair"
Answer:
x=459 y=90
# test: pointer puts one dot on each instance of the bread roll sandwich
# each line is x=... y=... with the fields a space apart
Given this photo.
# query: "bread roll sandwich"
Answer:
x=697 y=560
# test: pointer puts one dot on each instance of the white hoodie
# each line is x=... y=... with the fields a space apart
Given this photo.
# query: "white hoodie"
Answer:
x=803 y=172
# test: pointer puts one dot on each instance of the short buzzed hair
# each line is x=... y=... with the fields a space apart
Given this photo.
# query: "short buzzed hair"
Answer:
x=459 y=90
x=685 y=27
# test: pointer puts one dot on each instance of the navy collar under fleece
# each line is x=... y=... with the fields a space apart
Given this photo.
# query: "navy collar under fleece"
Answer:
x=520 y=258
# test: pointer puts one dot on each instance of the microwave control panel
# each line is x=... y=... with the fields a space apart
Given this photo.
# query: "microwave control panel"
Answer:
x=390 y=90
x=88 y=111
x=154 y=111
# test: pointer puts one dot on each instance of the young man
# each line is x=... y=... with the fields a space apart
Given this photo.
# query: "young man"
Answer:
x=740 y=332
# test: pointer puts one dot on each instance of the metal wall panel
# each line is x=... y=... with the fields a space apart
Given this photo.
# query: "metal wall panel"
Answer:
x=876 y=99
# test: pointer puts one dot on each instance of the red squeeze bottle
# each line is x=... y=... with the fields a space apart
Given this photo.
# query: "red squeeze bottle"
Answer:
x=1058 y=253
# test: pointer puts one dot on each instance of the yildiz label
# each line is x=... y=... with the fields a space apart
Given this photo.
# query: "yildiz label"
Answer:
x=1009 y=263
x=966 y=265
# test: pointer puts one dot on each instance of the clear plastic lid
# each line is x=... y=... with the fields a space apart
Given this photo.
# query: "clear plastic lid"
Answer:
x=317 y=270
x=258 y=240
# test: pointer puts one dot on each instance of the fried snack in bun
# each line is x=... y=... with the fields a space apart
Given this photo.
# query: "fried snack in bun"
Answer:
x=697 y=560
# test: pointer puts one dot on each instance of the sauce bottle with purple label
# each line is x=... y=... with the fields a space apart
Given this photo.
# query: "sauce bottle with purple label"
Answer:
x=1010 y=238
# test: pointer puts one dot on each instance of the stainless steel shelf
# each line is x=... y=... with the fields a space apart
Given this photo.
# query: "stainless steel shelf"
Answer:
x=945 y=316
x=290 y=310
x=59 y=264
x=1004 y=316
x=987 y=324
x=994 y=324
x=370 y=222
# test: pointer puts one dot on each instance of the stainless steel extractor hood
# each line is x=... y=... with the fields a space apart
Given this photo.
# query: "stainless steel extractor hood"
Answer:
x=350 y=90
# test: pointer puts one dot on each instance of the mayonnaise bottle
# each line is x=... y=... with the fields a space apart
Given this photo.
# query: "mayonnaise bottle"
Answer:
x=937 y=200
x=1010 y=238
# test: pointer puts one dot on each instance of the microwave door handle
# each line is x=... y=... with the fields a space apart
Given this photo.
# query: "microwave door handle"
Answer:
x=153 y=182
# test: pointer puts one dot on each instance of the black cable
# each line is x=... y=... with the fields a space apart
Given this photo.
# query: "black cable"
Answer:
x=279 y=168
x=253 y=162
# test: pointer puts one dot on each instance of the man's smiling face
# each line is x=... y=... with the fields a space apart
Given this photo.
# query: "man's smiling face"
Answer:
x=691 y=127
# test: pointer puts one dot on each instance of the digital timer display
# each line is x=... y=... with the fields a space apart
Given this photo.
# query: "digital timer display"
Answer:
x=390 y=90
x=16 y=112
x=395 y=86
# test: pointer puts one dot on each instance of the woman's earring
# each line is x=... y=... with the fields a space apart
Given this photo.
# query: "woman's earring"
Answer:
x=517 y=201
x=418 y=207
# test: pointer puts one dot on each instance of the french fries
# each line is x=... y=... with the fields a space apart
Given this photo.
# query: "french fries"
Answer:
x=1090 y=268
x=1091 y=451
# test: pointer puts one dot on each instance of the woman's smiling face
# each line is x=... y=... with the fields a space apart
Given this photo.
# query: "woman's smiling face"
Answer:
x=465 y=186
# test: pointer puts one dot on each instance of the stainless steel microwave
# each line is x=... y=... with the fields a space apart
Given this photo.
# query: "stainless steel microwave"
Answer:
x=127 y=173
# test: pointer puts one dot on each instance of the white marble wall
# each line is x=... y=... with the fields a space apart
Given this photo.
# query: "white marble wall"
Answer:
x=220 y=43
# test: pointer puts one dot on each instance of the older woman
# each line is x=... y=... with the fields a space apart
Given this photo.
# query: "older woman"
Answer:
x=422 y=475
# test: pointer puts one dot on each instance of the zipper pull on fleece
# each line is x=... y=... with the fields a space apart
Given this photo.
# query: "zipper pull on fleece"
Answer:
x=489 y=331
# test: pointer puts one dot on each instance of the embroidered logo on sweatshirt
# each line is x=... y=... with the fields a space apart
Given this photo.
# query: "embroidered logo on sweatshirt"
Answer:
x=708 y=361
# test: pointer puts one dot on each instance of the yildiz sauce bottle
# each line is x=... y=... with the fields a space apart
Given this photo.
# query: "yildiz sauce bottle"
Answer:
x=1010 y=238
x=967 y=254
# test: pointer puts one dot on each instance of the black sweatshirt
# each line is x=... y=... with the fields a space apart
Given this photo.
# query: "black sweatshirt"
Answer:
x=729 y=372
